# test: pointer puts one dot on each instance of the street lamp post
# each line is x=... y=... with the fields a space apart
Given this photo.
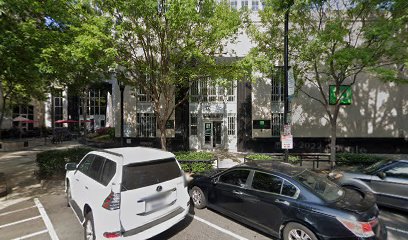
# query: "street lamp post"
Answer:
x=122 y=89
x=286 y=67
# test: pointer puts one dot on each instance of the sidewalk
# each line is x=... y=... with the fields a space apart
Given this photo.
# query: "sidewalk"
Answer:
x=19 y=168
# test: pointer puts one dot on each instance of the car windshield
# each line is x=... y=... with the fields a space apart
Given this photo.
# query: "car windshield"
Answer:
x=323 y=187
x=373 y=168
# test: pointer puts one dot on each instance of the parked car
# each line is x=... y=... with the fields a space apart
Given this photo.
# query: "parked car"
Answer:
x=288 y=202
x=388 y=180
x=127 y=193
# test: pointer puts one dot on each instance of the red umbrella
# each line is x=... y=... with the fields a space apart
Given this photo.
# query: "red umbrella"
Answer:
x=66 y=121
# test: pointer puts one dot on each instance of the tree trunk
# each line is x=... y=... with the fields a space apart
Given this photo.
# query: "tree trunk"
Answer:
x=3 y=111
x=333 y=136
x=163 y=137
x=84 y=111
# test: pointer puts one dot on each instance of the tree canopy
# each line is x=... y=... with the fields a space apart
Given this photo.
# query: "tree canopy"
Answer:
x=331 y=43
x=165 y=45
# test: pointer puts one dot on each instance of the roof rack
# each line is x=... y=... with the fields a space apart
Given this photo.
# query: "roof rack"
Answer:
x=110 y=152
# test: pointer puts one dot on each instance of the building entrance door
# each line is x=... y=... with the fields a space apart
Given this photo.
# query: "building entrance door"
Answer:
x=217 y=134
x=208 y=135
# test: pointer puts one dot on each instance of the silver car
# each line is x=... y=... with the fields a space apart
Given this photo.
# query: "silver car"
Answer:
x=388 y=180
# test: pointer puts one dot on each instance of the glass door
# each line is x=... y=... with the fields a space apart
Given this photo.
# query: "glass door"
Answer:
x=208 y=135
x=217 y=133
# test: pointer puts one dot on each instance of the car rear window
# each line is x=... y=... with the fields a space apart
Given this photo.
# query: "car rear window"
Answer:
x=150 y=173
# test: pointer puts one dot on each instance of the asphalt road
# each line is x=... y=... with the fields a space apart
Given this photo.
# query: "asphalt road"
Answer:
x=200 y=225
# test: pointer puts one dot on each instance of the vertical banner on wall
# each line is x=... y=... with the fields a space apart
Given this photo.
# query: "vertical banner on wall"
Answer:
x=286 y=137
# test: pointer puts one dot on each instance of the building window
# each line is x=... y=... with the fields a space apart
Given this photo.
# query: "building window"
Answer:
x=96 y=104
x=58 y=107
x=209 y=91
x=146 y=125
x=231 y=123
x=277 y=123
x=142 y=95
x=230 y=92
x=193 y=124
x=278 y=87
x=25 y=111
x=234 y=4
x=255 y=5
x=244 y=4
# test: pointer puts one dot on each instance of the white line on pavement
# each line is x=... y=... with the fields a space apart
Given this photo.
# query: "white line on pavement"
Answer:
x=397 y=230
x=217 y=227
x=31 y=235
x=46 y=219
x=21 y=221
x=19 y=210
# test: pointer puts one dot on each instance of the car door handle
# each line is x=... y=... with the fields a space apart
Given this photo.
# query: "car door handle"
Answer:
x=77 y=179
x=86 y=187
x=237 y=192
x=282 y=202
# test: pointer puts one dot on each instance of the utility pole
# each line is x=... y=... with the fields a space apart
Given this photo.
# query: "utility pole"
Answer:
x=122 y=89
x=285 y=68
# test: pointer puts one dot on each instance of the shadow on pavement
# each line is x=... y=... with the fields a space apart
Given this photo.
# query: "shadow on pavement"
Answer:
x=183 y=224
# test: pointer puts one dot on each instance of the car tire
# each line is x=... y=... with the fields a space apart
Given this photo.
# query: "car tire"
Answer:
x=69 y=196
x=296 y=231
x=198 y=197
x=89 y=227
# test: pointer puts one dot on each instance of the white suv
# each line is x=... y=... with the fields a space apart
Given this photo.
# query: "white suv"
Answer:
x=127 y=193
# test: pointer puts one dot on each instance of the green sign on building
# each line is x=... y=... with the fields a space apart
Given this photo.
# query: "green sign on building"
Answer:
x=346 y=95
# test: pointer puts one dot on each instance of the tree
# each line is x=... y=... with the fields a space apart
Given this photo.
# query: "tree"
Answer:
x=331 y=43
x=165 y=45
x=22 y=37
x=82 y=53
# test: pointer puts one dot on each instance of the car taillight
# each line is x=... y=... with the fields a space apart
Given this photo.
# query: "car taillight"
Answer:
x=112 y=202
x=360 y=229
x=111 y=234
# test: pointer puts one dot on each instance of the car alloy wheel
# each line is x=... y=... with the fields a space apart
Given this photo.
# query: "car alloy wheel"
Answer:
x=298 y=234
x=197 y=197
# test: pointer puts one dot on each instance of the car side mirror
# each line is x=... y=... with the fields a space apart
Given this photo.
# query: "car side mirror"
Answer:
x=70 y=166
x=214 y=180
x=381 y=175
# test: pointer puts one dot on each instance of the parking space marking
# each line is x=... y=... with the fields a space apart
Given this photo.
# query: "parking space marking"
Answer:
x=31 y=235
x=21 y=221
x=46 y=219
x=397 y=230
x=218 y=227
x=19 y=210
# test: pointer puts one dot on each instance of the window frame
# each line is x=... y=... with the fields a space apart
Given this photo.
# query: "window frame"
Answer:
x=99 y=174
x=102 y=169
x=82 y=162
x=228 y=184
x=392 y=166
x=295 y=196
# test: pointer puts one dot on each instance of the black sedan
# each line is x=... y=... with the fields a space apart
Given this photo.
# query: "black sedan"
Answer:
x=288 y=202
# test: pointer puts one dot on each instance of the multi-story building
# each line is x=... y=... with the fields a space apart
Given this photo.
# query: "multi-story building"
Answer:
x=248 y=116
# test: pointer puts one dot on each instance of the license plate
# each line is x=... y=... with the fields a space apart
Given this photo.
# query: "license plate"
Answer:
x=153 y=205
